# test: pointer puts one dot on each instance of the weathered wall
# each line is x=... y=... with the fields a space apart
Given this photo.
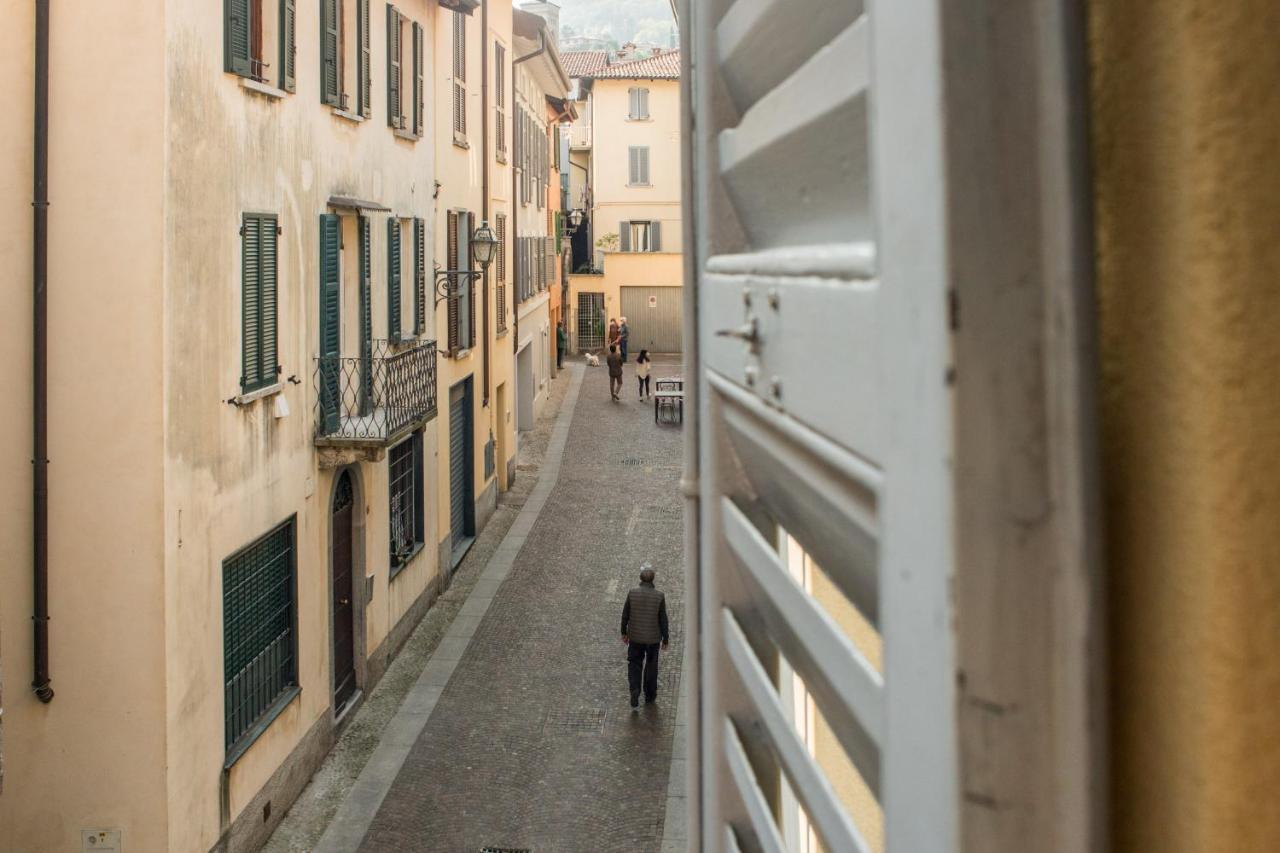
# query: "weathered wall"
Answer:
x=95 y=756
x=614 y=134
x=1186 y=126
x=234 y=473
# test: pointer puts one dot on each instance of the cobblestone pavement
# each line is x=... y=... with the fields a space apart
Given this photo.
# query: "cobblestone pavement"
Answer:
x=532 y=744
x=309 y=816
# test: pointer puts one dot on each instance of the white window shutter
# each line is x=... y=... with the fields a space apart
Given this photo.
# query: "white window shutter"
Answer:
x=890 y=369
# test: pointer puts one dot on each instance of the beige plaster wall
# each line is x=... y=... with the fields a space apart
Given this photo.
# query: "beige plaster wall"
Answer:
x=95 y=756
x=233 y=473
x=614 y=133
x=502 y=365
x=1186 y=126
x=459 y=171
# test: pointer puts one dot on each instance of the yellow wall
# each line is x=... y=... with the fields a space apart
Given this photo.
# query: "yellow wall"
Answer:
x=622 y=269
x=614 y=133
x=1186 y=129
x=96 y=755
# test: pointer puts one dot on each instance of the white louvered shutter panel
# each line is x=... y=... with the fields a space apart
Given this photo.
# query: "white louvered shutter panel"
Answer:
x=887 y=543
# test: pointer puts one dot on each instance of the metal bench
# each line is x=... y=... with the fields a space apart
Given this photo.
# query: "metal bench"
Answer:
x=668 y=398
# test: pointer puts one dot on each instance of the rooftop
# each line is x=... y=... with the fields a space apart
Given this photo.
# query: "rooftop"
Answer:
x=596 y=64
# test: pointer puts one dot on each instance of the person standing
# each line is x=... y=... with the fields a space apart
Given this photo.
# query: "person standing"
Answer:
x=644 y=625
x=624 y=334
x=615 y=372
x=642 y=373
x=613 y=333
x=562 y=344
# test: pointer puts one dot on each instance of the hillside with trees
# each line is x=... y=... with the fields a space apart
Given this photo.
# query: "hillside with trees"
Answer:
x=640 y=21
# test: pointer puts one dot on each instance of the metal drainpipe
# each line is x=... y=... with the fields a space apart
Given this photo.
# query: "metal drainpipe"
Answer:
x=40 y=395
x=484 y=172
x=515 y=198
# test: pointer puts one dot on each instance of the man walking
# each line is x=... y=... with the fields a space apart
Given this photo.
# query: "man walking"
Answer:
x=562 y=344
x=624 y=333
x=644 y=624
x=615 y=371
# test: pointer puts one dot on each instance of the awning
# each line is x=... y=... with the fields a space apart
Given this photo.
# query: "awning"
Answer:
x=356 y=204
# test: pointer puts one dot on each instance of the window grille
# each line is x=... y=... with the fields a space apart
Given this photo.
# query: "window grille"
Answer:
x=404 y=465
x=258 y=618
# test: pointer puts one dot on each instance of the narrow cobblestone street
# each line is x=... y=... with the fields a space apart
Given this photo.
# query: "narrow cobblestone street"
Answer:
x=518 y=734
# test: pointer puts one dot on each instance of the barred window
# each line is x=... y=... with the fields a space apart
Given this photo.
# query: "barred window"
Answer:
x=259 y=643
x=405 y=476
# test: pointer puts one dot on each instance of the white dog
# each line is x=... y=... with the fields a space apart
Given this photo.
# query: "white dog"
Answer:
x=593 y=360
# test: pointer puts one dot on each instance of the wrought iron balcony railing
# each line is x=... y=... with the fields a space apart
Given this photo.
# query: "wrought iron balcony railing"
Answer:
x=376 y=398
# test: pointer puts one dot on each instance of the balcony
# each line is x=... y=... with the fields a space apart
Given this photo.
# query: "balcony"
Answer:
x=367 y=403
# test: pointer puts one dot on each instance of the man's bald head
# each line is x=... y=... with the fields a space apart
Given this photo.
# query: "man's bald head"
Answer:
x=646 y=576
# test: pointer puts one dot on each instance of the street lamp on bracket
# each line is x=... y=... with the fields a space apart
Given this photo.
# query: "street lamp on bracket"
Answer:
x=484 y=247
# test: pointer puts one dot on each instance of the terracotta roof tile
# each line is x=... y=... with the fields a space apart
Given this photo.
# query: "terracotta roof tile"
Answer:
x=584 y=63
x=664 y=66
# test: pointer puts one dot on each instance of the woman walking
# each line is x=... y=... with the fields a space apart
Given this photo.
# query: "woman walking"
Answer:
x=642 y=373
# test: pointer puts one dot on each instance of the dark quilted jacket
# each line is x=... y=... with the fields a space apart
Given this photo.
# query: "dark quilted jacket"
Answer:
x=644 y=616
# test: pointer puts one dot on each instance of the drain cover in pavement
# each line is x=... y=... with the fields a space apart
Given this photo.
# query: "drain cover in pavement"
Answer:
x=506 y=850
x=577 y=721
x=633 y=462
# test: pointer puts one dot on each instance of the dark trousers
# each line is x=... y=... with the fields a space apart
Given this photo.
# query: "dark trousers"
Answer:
x=644 y=384
x=622 y=348
x=559 y=357
x=615 y=385
x=643 y=657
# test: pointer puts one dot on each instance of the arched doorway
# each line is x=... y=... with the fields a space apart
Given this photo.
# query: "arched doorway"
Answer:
x=344 y=652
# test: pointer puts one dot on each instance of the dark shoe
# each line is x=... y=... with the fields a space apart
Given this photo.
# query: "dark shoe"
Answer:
x=649 y=700
x=635 y=701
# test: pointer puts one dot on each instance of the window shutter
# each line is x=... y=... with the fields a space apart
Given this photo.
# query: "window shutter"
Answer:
x=644 y=165
x=419 y=90
x=251 y=302
x=459 y=74
x=330 y=302
x=465 y=251
x=655 y=236
x=366 y=313
x=451 y=260
x=267 y=326
x=633 y=165
x=366 y=63
x=502 y=246
x=236 y=37
x=624 y=232
x=419 y=276
x=394 y=294
x=394 y=110
x=288 y=45
x=643 y=96
x=329 y=53
x=631 y=102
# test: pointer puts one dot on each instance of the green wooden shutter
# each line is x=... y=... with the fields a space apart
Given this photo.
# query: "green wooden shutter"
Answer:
x=329 y=58
x=366 y=64
x=393 y=279
x=237 y=58
x=419 y=89
x=267 y=349
x=394 y=110
x=330 y=300
x=288 y=45
x=251 y=303
x=451 y=260
x=366 y=315
x=419 y=277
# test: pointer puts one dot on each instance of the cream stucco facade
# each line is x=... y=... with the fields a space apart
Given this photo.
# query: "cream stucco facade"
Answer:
x=162 y=467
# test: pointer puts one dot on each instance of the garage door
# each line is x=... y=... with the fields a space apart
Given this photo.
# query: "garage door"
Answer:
x=653 y=317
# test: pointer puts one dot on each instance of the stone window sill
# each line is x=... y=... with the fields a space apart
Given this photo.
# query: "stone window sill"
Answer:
x=348 y=115
x=407 y=135
x=399 y=567
x=461 y=141
x=249 y=397
x=263 y=89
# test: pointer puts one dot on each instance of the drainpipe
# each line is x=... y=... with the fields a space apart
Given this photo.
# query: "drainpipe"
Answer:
x=40 y=396
x=484 y=172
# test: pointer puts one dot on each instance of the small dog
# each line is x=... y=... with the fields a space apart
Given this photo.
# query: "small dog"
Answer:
x=593 y=360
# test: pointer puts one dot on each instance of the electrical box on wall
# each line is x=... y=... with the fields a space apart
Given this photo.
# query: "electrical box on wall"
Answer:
x=100 y=841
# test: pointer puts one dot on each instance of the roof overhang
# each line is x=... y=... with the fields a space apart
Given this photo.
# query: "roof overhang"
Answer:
x=466 y=7
x=531 y=39
x=348 y=203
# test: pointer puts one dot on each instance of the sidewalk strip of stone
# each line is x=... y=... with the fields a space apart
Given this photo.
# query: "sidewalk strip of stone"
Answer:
x=347 y=829
x=675 y=827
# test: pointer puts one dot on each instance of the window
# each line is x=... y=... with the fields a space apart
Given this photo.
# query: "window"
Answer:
x=641 y=236
x=397 y=25
x=639 y=99
x=249 y=26
x=259 y=646
x=332 y=54
x=639 y=166
x=404 y=474
x=459 y=78
x=395 y=296
x=500 y=101
x=258 y=233
x=461 y=305
x=364 y=64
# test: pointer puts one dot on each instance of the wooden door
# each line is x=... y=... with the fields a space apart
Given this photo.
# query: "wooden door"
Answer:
x=344 y=658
